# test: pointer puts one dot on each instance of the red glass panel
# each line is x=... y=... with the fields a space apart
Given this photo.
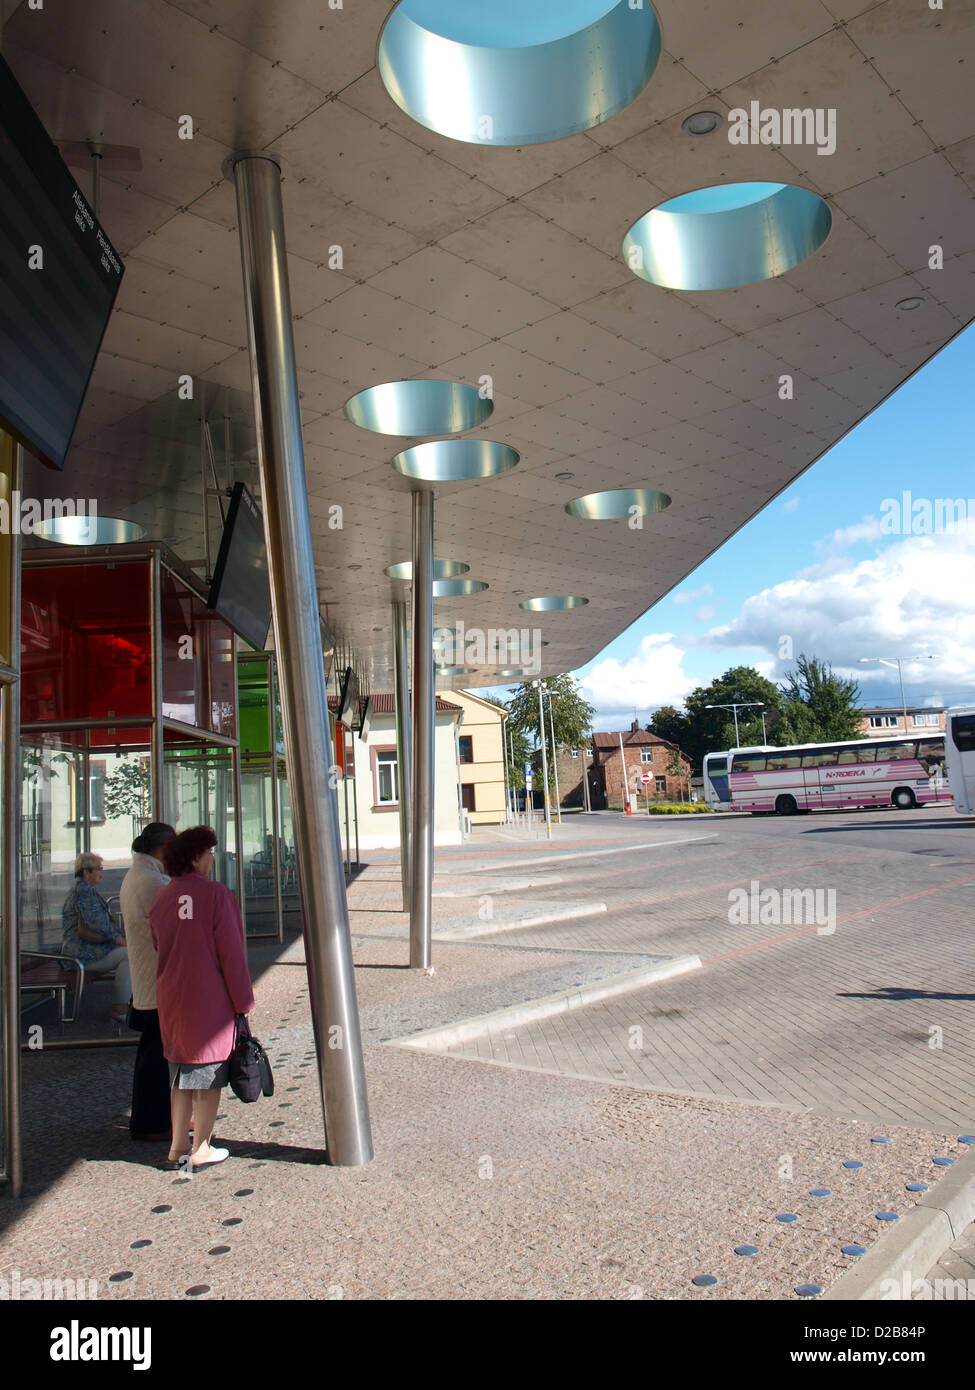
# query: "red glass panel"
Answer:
x=85 y=649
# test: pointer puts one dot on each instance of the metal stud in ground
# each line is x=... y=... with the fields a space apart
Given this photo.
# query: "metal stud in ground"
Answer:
x=139 y=1244
x=880 y=1139
x=852 y=1163
x=887 y=1216
x=808 y=1290
x=164 y=1207
x=704 y=1281
x=243 y=1192
x=120 y=1277
x=854 y=1249
x=746 y=1249
x=917 y=1187
x=232 y=1221
x=820 y=1192
x=219 y=1250
x=966 y=1138
x=787 y=1217
x=943 y=1162
x=197 y=1290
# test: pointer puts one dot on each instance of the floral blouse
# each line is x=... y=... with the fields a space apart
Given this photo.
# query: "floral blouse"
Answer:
x=85 y=906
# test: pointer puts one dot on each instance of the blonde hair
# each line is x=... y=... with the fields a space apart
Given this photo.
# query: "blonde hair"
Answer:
x=86 y=861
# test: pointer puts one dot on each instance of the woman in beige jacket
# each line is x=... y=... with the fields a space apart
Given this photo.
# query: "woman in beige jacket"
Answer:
x=150 y=1083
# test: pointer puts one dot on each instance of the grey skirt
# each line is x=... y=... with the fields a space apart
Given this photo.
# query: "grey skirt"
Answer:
x=199 y=1076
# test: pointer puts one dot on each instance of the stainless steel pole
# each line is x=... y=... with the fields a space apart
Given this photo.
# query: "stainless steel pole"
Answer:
x=541 y=730
x=13 y=1159
x=301 y=675
x=555 y=759
x=401 y=668
x=157 y=750
x=900 y=677
x=421 y=843
x=623 y=771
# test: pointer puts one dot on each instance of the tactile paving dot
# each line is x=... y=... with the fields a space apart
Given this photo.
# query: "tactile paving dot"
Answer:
x=164 y=1207
x=219 y=1250
x=232 y=1221
x=746 y=1249
x=787 y=1217
x=276 y=1124
x=704 y=1281
x=120 y=1276
x=820 y=1192
x=887 y=1216
x=139 y=1244
x=197 y=1290
x=243 y=1192
x=852 y=1163
x=943 y=1162
x=854 y=1249
x=917 y=1187
x=808 y=1290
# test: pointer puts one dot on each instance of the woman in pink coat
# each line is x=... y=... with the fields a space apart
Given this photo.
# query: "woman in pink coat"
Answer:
x=202 y=983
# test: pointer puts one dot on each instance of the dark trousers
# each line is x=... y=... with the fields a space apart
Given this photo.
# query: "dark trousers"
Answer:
x=150 y=1083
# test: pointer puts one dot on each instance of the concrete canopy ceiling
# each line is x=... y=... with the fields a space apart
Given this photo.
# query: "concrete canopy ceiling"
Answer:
x=460 y=262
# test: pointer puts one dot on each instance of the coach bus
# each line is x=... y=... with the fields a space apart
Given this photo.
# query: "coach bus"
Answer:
x=901 y=772
x=960 y=745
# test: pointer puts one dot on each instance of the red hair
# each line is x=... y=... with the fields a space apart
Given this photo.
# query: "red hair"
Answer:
x=181 y=850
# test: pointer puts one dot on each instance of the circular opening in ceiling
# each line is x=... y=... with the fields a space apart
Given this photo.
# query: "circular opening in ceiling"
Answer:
x=455 y=460
x=618 y=505
x=418 y=407
x=89 y=530
x=456 y=670
x=511 y=671
x=454 y=588
x=512 y=73
x=553 y=604
x=725 y=237
x=442 y=569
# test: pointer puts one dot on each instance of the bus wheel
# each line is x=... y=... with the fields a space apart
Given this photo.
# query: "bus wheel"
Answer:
x=786 y=805
x=903 y=798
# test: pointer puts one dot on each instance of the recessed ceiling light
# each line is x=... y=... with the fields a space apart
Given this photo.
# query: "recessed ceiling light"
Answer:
x=89 y=530
x=913 y=302
x=455 y=460
x=701 y=123
x=442 y=569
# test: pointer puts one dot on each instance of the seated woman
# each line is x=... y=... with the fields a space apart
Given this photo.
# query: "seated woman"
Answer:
x=91 y=936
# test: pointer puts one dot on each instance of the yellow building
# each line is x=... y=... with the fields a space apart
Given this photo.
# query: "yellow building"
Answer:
x=480 y=739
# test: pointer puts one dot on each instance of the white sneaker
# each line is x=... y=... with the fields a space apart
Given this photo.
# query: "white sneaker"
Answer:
x=216 y=1156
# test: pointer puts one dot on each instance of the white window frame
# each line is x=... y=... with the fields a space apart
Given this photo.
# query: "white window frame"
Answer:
x=388 y=758
x=646 y=755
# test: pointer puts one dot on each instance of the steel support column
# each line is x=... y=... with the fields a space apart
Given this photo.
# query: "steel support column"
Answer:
x=421 y=837
x=12 y=1164
x=401 y=682
x=301 y=675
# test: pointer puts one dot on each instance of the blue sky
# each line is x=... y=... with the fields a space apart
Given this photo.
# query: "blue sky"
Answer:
x=818 y=569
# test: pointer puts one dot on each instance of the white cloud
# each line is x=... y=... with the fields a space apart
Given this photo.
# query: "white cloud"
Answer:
x=792 y=505
x=651 y=677
x=912 y=598
x=706 y=614
x=689 y=595
x=868 y=529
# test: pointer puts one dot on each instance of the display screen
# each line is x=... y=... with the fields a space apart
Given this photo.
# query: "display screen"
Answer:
x=59 y=276
x=349 y=709
x=240 y=591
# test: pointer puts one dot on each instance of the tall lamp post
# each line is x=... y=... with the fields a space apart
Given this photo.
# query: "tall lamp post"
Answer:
x=555 y=758
x=541 y=730
x=746 y=704
x=896 y=661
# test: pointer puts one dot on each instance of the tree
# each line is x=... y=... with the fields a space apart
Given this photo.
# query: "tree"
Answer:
x=817 y=705
x=128 y=790
x=709 y=730
x=677 y=767
x=573 y=715
x=670 y=724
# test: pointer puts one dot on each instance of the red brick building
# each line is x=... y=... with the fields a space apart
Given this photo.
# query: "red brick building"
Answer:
x=643 y=752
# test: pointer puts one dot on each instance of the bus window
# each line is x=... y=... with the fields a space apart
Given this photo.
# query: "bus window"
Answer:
x=856 y=755
x=963 y=732
x=717 y=767
x=748 y=762
x=782 y=762
x=821 y=757
x=894 y=752
x=931 y=748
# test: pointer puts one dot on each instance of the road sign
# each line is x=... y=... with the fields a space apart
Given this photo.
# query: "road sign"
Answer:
x=645 y=778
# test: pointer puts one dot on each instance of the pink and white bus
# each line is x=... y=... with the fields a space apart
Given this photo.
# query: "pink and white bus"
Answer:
x=901 y=772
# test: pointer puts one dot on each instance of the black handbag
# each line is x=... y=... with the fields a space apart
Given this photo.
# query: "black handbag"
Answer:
x=135 y=1018
x=250 y=1070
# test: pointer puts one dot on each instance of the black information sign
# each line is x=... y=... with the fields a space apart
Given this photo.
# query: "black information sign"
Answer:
x=52 y=316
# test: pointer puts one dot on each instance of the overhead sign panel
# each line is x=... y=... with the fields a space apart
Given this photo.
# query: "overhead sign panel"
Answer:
x=59 y=275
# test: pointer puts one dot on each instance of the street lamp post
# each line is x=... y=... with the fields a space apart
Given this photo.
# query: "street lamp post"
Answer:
x=541 y=730
x=743 y=704
x=896 y=661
